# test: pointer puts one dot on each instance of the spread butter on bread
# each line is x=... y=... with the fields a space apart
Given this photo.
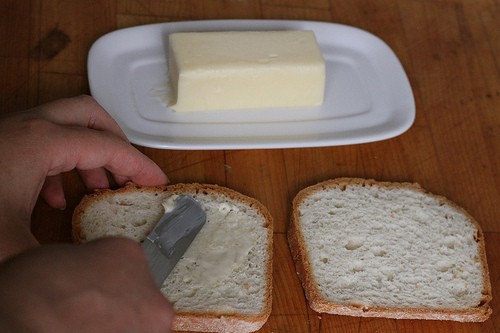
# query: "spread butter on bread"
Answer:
x=380 y=249
x=223 y=282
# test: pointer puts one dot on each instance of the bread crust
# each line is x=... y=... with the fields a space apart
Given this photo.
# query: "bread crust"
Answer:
x=302 y=261
x=195 y=321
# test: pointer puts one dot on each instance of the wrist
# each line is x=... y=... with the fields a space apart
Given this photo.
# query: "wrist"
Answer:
x=15 y=237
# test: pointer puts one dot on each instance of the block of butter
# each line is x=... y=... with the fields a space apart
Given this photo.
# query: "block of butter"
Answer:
x=245 y=70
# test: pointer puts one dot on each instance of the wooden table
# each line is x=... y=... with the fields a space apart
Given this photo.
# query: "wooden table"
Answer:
x=450 y=50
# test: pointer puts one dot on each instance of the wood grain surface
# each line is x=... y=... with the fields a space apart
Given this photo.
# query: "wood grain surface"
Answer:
x=450 y=50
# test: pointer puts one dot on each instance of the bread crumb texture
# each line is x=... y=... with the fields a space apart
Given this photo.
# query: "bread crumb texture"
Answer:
x=390 y=246
x=130 y=215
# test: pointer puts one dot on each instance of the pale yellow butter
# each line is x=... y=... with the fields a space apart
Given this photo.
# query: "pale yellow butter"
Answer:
x=245 y=70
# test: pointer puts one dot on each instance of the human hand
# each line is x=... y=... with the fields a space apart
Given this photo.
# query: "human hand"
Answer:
x=37 y=145
x=102 y=286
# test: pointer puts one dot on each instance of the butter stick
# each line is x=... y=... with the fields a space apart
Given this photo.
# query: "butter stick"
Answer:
x=245 y=70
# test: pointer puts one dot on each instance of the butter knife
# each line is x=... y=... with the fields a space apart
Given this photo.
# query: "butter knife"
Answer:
x=172 y=235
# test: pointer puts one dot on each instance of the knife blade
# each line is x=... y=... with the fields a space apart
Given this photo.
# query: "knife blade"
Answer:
x=172 y=235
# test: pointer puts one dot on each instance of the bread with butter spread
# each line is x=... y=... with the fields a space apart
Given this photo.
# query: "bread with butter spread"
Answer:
x=223 y=282
x=380 y=249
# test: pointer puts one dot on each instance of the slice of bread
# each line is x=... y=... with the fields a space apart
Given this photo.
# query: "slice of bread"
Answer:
x=380 y=249
x=223 y=282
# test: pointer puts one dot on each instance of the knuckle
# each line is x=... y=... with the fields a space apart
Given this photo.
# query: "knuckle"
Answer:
x=123 y=245
x=83 y=99
x=124 y=248
x=89 y=103
x=37 y=126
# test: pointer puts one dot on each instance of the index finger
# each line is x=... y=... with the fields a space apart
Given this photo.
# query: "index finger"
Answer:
x=83 y=111
x=88 y=149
